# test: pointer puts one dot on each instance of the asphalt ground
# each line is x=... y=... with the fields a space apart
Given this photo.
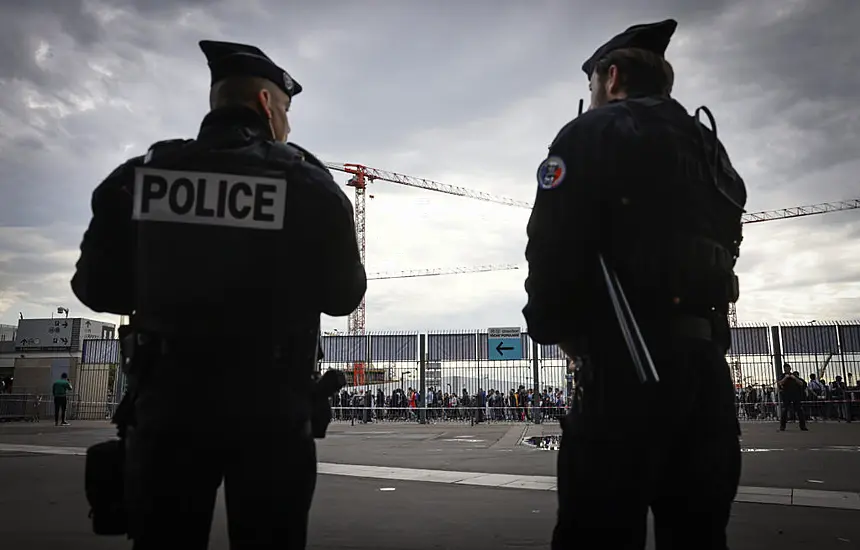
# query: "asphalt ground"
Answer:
x=42 y=507
x=42 y=503
x=827 y=457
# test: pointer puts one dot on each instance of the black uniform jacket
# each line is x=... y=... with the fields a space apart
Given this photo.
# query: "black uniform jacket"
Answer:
x=317 y=252
x=596 y=161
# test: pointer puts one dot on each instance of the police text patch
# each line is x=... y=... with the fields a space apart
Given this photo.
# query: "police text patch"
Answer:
x=247 y=202
x=551 y=173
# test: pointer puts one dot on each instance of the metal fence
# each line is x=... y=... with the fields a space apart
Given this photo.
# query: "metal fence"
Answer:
x=445 y=375
x=439 y=375
x=97 y=383
x=443 y=359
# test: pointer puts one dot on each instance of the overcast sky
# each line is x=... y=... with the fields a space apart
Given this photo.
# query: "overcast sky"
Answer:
x=468 y=94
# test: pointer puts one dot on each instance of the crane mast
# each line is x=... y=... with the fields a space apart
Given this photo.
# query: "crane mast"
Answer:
x=356 y=322
x=361 y=176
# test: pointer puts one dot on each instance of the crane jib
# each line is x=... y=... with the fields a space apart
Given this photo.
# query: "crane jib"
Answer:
x=362 y=175
x=430 y=185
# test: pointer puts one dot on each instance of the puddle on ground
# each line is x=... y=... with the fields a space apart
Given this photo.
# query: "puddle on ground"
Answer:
x=552 y=443
x=544 y=443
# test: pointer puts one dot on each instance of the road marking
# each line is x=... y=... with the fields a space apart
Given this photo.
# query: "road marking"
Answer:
x=42 y=449
x=757 y=495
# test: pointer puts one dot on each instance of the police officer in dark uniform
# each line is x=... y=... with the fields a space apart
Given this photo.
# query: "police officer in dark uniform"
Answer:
x=791 y=389
x=639 y=192
x=225 y=250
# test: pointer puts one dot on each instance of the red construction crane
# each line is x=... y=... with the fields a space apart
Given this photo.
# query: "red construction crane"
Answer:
x=362 y=175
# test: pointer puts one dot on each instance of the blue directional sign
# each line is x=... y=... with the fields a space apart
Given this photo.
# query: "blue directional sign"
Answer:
x=504 y=344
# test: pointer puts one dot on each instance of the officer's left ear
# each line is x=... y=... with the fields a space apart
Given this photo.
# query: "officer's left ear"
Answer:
x=265 y=99
x=613 y=83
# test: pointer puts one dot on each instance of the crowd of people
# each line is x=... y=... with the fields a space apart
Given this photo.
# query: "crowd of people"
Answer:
x=521 y=404
x=819 y=400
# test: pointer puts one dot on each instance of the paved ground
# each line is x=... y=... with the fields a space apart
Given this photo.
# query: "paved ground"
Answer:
x=825 y=457
x=42 y=505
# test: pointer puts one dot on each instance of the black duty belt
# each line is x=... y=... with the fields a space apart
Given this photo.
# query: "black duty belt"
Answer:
x=154 y=343
x=692 y=327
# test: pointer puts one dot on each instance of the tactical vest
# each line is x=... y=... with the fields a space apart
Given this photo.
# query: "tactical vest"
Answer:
x=215 y=246
x=676 y=212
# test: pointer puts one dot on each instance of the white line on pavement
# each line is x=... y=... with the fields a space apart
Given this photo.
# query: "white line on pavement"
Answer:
x=758 y=495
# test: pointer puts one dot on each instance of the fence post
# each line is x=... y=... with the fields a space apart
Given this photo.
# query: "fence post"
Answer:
x=776 y=348
x=536 y=414
x=422 y=378
x=841 y=348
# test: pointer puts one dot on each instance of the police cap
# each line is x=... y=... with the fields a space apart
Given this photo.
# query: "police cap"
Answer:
x=653 y=37
x=228 y=59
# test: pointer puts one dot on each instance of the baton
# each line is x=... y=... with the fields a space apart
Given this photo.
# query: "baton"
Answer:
x=629 y=327
x=626 y=321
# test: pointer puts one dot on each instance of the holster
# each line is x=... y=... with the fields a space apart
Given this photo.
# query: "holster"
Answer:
x=329 y=384
x=587 y=380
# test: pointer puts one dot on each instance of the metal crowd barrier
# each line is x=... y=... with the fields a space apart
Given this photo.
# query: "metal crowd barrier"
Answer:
x=20 y=407
x=467 y=415
x=818 y=410
x=815 y=411
x=30 y=407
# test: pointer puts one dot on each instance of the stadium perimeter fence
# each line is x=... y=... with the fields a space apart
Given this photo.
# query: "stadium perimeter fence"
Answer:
x=447 y=363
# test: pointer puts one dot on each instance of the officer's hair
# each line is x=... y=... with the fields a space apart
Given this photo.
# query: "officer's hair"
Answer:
x=240 y=90
x=640 y=72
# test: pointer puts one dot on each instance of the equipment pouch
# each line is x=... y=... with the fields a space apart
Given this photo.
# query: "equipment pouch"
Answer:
x=104 y=485
x=734 y=290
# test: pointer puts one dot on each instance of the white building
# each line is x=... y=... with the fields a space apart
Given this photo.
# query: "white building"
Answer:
x=43 y=349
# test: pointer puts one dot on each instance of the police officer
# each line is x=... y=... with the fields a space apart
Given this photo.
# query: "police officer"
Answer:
x=640 y=187
x=225 y=250
x=791 y=389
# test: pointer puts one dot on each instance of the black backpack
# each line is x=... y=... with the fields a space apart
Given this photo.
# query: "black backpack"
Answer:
x=104 y=486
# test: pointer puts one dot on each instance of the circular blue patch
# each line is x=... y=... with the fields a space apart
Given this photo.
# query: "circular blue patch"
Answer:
x=551 y=173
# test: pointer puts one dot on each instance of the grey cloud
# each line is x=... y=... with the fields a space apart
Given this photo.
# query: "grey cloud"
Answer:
x=30 y=265
x=22 y=24
x=35 y=265
x=475 y=67
x=804 y=63
x=832 y=276
x=414 y=87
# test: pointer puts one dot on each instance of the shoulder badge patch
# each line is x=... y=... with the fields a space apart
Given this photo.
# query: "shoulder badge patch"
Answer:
x=551 y=173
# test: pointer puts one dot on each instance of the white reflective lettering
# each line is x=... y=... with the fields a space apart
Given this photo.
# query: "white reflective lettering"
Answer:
x=246 y=202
